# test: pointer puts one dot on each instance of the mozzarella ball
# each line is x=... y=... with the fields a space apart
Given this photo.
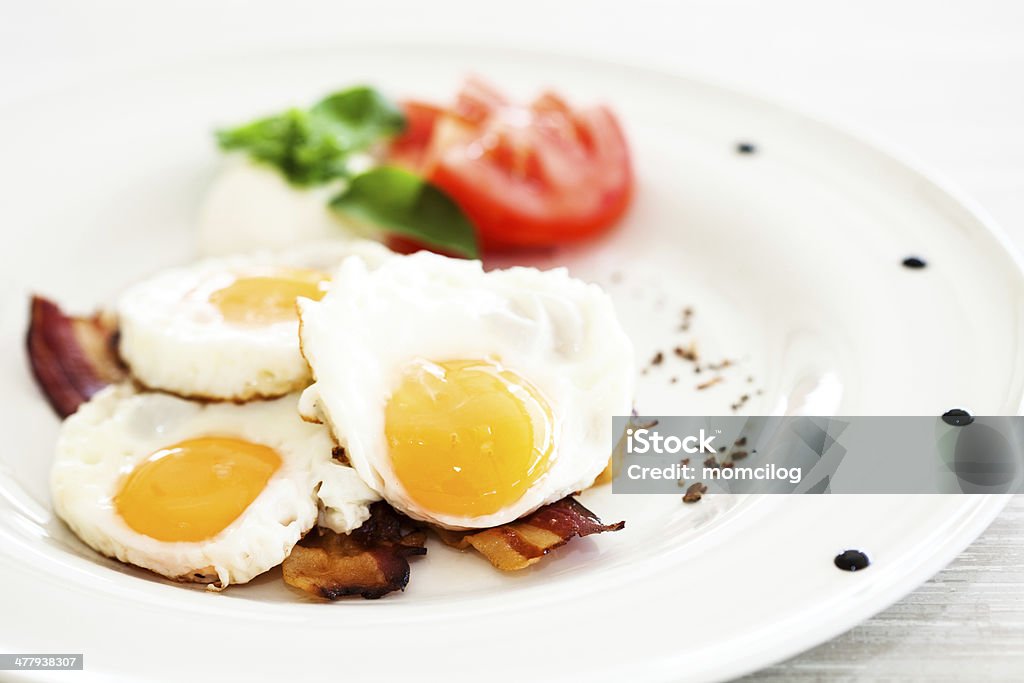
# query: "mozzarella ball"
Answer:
x=250 y=205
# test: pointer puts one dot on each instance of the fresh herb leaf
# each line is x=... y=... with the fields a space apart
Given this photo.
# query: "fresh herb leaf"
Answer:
x=404 y=203
x=360 y=115
x=312 y=146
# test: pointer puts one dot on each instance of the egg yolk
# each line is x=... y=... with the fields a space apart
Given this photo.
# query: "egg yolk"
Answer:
x=467 y=437
x=268 y=298
x=193 y=490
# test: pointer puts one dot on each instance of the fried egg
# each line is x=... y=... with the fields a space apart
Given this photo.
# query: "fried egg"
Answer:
x=226 y=329
x=212 y=493
x=464 y=398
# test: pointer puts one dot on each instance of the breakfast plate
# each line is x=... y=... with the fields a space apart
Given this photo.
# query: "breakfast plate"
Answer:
x=773 y=243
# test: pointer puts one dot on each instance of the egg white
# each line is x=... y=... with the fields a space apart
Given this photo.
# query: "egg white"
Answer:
x=173 y=339
x=120 y=427
x=344 y=498
x=558 y=333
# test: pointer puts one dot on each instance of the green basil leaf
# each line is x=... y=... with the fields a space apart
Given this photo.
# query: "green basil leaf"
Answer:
x=313 y=146
x=403 y=203
x=359 y=115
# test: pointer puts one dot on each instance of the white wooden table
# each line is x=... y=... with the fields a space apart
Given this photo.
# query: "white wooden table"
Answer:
x=944 y=80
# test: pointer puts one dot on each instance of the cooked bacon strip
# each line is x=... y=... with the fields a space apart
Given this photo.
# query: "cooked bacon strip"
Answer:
x=72 y=358
x=371 y=561
x=519 y=544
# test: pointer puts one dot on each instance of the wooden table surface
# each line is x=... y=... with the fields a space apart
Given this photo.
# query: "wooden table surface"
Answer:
x=943 y=80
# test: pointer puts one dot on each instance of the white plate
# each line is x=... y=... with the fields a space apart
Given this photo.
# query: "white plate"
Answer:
x=790 y=258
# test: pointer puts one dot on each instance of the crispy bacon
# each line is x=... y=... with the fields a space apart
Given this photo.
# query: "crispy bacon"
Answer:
x=519 y=544
x=371 y=561
x=72 y=357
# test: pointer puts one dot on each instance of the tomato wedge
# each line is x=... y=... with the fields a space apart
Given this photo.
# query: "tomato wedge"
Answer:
x=526 y=176
x=410 y=149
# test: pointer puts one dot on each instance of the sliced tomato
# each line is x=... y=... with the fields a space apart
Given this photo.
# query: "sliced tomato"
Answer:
x=527 y=176
x=409 y=149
